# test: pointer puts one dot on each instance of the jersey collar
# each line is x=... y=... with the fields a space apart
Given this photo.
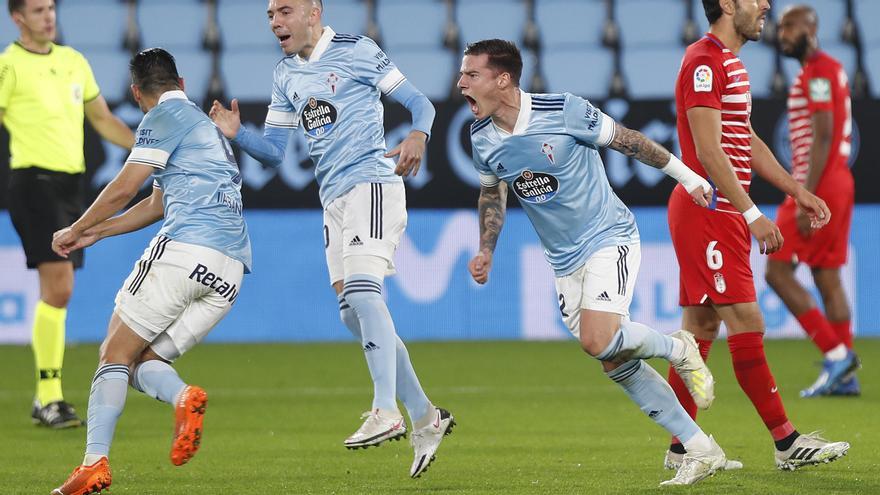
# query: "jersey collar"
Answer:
x=322 y=44
x=172 y=95
x=522 y=120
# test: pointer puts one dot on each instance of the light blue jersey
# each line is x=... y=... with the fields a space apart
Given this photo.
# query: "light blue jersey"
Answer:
x=552 y=165
x=198 y=175
x=334 y=96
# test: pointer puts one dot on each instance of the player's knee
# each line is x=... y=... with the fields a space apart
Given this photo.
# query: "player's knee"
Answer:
x=776 y=274
x=57 y=295
x=590 y=344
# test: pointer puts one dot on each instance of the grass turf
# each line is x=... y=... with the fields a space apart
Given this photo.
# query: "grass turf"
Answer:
x=532 y=418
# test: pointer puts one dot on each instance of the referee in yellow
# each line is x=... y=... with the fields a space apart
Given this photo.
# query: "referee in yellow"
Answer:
x=45 y=90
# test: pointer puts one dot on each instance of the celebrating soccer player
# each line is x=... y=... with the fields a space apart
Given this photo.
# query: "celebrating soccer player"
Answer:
x=188 y=277
x=44 y=117
x=545 y=148
x=712 y=245
x=330 y=84
x=820 y=129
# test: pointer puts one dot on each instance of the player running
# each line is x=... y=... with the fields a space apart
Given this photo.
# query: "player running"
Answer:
x=820 y=130
x=545 y=148
x=712 y=245
x=188 y=277
x=330 y=85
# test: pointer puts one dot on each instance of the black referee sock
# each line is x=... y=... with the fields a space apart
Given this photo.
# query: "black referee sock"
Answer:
x=786 y=443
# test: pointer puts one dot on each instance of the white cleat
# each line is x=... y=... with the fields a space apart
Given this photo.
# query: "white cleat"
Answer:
x=379 y=426
x=425 y=441
x=672 y=462
x=808 y=450
x=697 y=466
x=694 y=372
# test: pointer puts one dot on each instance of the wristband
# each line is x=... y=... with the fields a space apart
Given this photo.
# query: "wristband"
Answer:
x=752 y=214
x=676 y=169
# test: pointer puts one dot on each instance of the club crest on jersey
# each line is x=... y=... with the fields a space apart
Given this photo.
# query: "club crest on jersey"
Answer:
x=720 y=284
x=547 y=149
x=535 y=187
x=332 y=81
x=318 y=118
x=702 y=79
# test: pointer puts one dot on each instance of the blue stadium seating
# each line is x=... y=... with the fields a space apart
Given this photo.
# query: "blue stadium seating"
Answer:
x=482 y=19
x=411 y=23
x=77 y=23
x=831 y=13
x=8 y=30
x=349 y=17
x=530 y=62
x=585 y=72
x=110 y=67
x=760 y=61
x=652 y=72
x=700 y=17
x=184 y=29
x=570 y=23
x=243 y=25
x=431 y=70
x=872 y=65
x=248 y=74
x=650 y=23
x=845 y=54
x=867 y=12
x=194 y=66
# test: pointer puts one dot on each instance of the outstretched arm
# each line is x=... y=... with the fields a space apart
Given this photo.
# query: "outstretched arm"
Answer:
x=109 y=126
x=492 y=207
x=268 y=149
x=412 y=148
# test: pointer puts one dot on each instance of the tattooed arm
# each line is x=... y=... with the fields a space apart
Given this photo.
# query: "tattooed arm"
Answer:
x=492 y=207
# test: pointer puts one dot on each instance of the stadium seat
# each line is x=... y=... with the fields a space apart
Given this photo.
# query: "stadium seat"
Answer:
x=411 y=23
x=194 y=66
x=430 y=70
x=651 y=73
x=483 y=19
x=831 y=13
x=650 y=23
x=183 y=30
x=530 y=63
x=244 y=26
x=700 y=17
x=872 y=65
x=584 y=72
x=8 y=30
x=346 y=16
x=760 y=61
x=247 y=75
x=866 y=13
x=110 y=67
x=111 y=16
x=570 y=23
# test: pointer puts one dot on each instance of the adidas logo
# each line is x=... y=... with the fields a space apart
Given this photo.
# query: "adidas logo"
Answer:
x=370 y=347
x=603 y=297
x=500 y=168
x=356 y=241
x=654 y=414
x=295 y=96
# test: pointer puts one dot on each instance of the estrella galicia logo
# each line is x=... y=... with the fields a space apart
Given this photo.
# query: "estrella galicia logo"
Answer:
x=318 y=118
x=535 y=187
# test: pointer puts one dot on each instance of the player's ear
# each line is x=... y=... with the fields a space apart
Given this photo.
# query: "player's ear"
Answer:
x=728 y=6
x=180 y=82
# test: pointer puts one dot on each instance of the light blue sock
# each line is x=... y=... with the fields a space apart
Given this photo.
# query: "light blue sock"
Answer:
x=106 y=400
x=636 y=341
x=409 y=390
x=364 y=294
x=655 y=398
x=158 y=380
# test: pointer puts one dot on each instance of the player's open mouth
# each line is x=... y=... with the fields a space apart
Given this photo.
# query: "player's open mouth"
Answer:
x=282 y=38
x=473 y=103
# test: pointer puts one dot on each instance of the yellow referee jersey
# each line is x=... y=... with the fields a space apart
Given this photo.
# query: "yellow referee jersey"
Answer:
x=42 y=96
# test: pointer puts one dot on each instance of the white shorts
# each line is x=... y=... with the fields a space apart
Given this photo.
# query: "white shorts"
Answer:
x=368 y=220
x=177 y=293
x=604 y=283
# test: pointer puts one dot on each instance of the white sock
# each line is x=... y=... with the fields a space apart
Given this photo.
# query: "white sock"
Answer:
x=90 y=459
x=698 y=443
x=839 y=353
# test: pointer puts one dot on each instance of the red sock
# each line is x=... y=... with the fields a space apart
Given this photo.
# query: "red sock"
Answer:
x=754 y=377
x=819 y=330
x=678 y=386
x=844 y=332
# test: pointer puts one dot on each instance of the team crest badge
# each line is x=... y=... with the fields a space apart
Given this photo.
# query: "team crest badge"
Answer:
x=547 y=149
x=332 y=81
x=720 y=284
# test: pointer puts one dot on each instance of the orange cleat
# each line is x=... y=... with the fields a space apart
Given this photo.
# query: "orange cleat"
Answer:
x=87 y=479
x=189 y=414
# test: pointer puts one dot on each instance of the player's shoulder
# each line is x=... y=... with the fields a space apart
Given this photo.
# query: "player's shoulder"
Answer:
x=825 y=63
x=549 y=102
x=350 y=39
x=69 y=54
x=479 y=125
x=702 y=50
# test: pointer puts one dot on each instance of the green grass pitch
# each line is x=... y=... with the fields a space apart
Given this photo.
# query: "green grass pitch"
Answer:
x=533 y=418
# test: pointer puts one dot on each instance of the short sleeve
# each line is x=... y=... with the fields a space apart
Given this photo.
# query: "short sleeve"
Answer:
x=90 y=88
x=281 y=113
x=487 y=176
x=702 y=80
x=587 y=123
x=156 y=139
x=7 y=82
x=371 y=66
x=820 y=88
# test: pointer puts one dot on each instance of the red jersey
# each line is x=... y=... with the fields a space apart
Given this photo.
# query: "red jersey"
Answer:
x=821 y=85
x=713 y=76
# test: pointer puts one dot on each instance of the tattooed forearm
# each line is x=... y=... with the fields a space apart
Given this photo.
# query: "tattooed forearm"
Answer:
x=492 y=206
x=637 y=145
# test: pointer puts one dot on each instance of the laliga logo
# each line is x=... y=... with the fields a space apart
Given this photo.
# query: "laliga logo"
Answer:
x=547 y=149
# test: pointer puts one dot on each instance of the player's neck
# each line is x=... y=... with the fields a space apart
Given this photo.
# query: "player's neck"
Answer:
x=508 y=112
x=809 y=53
x=314 y=38
x=32 y=45
x=728 y=36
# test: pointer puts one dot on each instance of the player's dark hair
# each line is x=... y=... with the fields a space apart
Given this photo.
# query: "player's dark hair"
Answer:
x=713 y=10
x=15 y=5
x=153 y=70
x=503 y=55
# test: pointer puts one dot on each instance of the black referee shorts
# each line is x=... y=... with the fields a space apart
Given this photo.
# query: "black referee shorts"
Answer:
x=40 y=203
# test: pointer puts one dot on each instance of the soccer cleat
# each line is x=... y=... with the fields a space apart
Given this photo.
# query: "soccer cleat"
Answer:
x=833 y=372
x=425 y=441
x=696 y=466
x=379 y=426
x=808 y=450
x=56 y=415
x=848 y=387
x=694 y=372
x=673 y=461
x=86 y=480
x=189 y=415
